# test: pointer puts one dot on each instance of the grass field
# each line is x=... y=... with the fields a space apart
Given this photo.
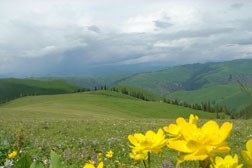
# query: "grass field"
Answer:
x=229 y=95
x=92 y=105
x=12 y=88
x=79 y=126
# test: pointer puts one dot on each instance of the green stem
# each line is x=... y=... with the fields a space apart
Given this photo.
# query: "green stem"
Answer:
x=149 y=161
x=144 y=164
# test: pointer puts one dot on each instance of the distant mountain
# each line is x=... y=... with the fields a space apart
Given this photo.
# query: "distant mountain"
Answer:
x=12 y=88
x=89 y=82
x=193 y=76
x=197 y=83
x=100 y=76
x=81 y=71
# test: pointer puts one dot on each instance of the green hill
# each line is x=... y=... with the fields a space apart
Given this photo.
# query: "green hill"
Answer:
x=133 y=90
x=246 y=113
x=92 y=105
x=12 y=88
x=229 y=95
x=194 y=76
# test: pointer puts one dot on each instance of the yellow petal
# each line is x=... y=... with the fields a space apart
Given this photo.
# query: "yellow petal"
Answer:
x=88 y=166
x=173 y=129
x=210 y=127
x=100 y=165
x=225 y=131
x=180 y=120
x=194 y=146
x=246 y=157
x=179 y=145
x=132 y=139
x=193 y=156
x=249 y=147
x=149 y=134
x=160 y=132
x=193 y=119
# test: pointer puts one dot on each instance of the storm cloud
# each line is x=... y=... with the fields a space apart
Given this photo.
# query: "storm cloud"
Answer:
x=70 y=38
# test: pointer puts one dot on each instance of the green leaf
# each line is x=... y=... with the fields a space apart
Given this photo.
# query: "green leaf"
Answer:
x=24 y=162
x=37 y=164
x=55 y=160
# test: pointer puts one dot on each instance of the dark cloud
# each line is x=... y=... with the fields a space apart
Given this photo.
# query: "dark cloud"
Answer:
x=94 y=29
x=41 y=43
x=244 y=41
x=162 y=25
x=236 y=6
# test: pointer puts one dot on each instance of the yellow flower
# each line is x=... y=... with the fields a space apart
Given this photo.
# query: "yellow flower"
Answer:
x=247 y=155
x=88 y=165
x=117 y=161
x=110 y=154
x=99 y=154
x=139 y=155
x=200 y=143
x=174 y=130
x=12 y=155
x=227 y=162
x=99 y=159
x=150 y=142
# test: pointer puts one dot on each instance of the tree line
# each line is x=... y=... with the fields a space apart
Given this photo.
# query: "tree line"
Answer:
x=204 y=106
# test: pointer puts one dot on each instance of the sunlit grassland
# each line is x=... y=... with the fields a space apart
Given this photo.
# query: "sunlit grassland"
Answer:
x=90 y=105
x=79 y=126
x=78 y=140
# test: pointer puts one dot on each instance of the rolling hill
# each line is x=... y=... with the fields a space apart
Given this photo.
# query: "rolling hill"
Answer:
x=92 y=105
x=133 y=89
x=193 y=76
x=196 y=83
x=229 y=95
x=12 y=88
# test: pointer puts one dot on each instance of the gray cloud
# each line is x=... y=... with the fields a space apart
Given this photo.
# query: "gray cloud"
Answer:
x=94 y=28
x=68 y=40
x=236 y=5
x=161 y=24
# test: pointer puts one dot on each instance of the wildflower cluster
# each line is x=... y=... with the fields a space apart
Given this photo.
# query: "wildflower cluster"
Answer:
x=144 y=144
x=192 y=143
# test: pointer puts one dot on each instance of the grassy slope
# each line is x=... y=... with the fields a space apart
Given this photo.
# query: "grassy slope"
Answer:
x=229 y=95
x=220 y=73
x=200 y=82
x=92 y=105
x=161 y=81
x=195 y=76
x=148 y=94
x=12 y=88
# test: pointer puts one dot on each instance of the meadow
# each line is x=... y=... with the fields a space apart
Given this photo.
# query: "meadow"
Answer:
x=229 y=95
x=85 y=126
x=78 y=141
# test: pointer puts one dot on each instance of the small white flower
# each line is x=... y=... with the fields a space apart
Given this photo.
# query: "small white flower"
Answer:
x=8 y=163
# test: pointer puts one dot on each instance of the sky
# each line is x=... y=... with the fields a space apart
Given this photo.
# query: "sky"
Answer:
x=77 y=36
